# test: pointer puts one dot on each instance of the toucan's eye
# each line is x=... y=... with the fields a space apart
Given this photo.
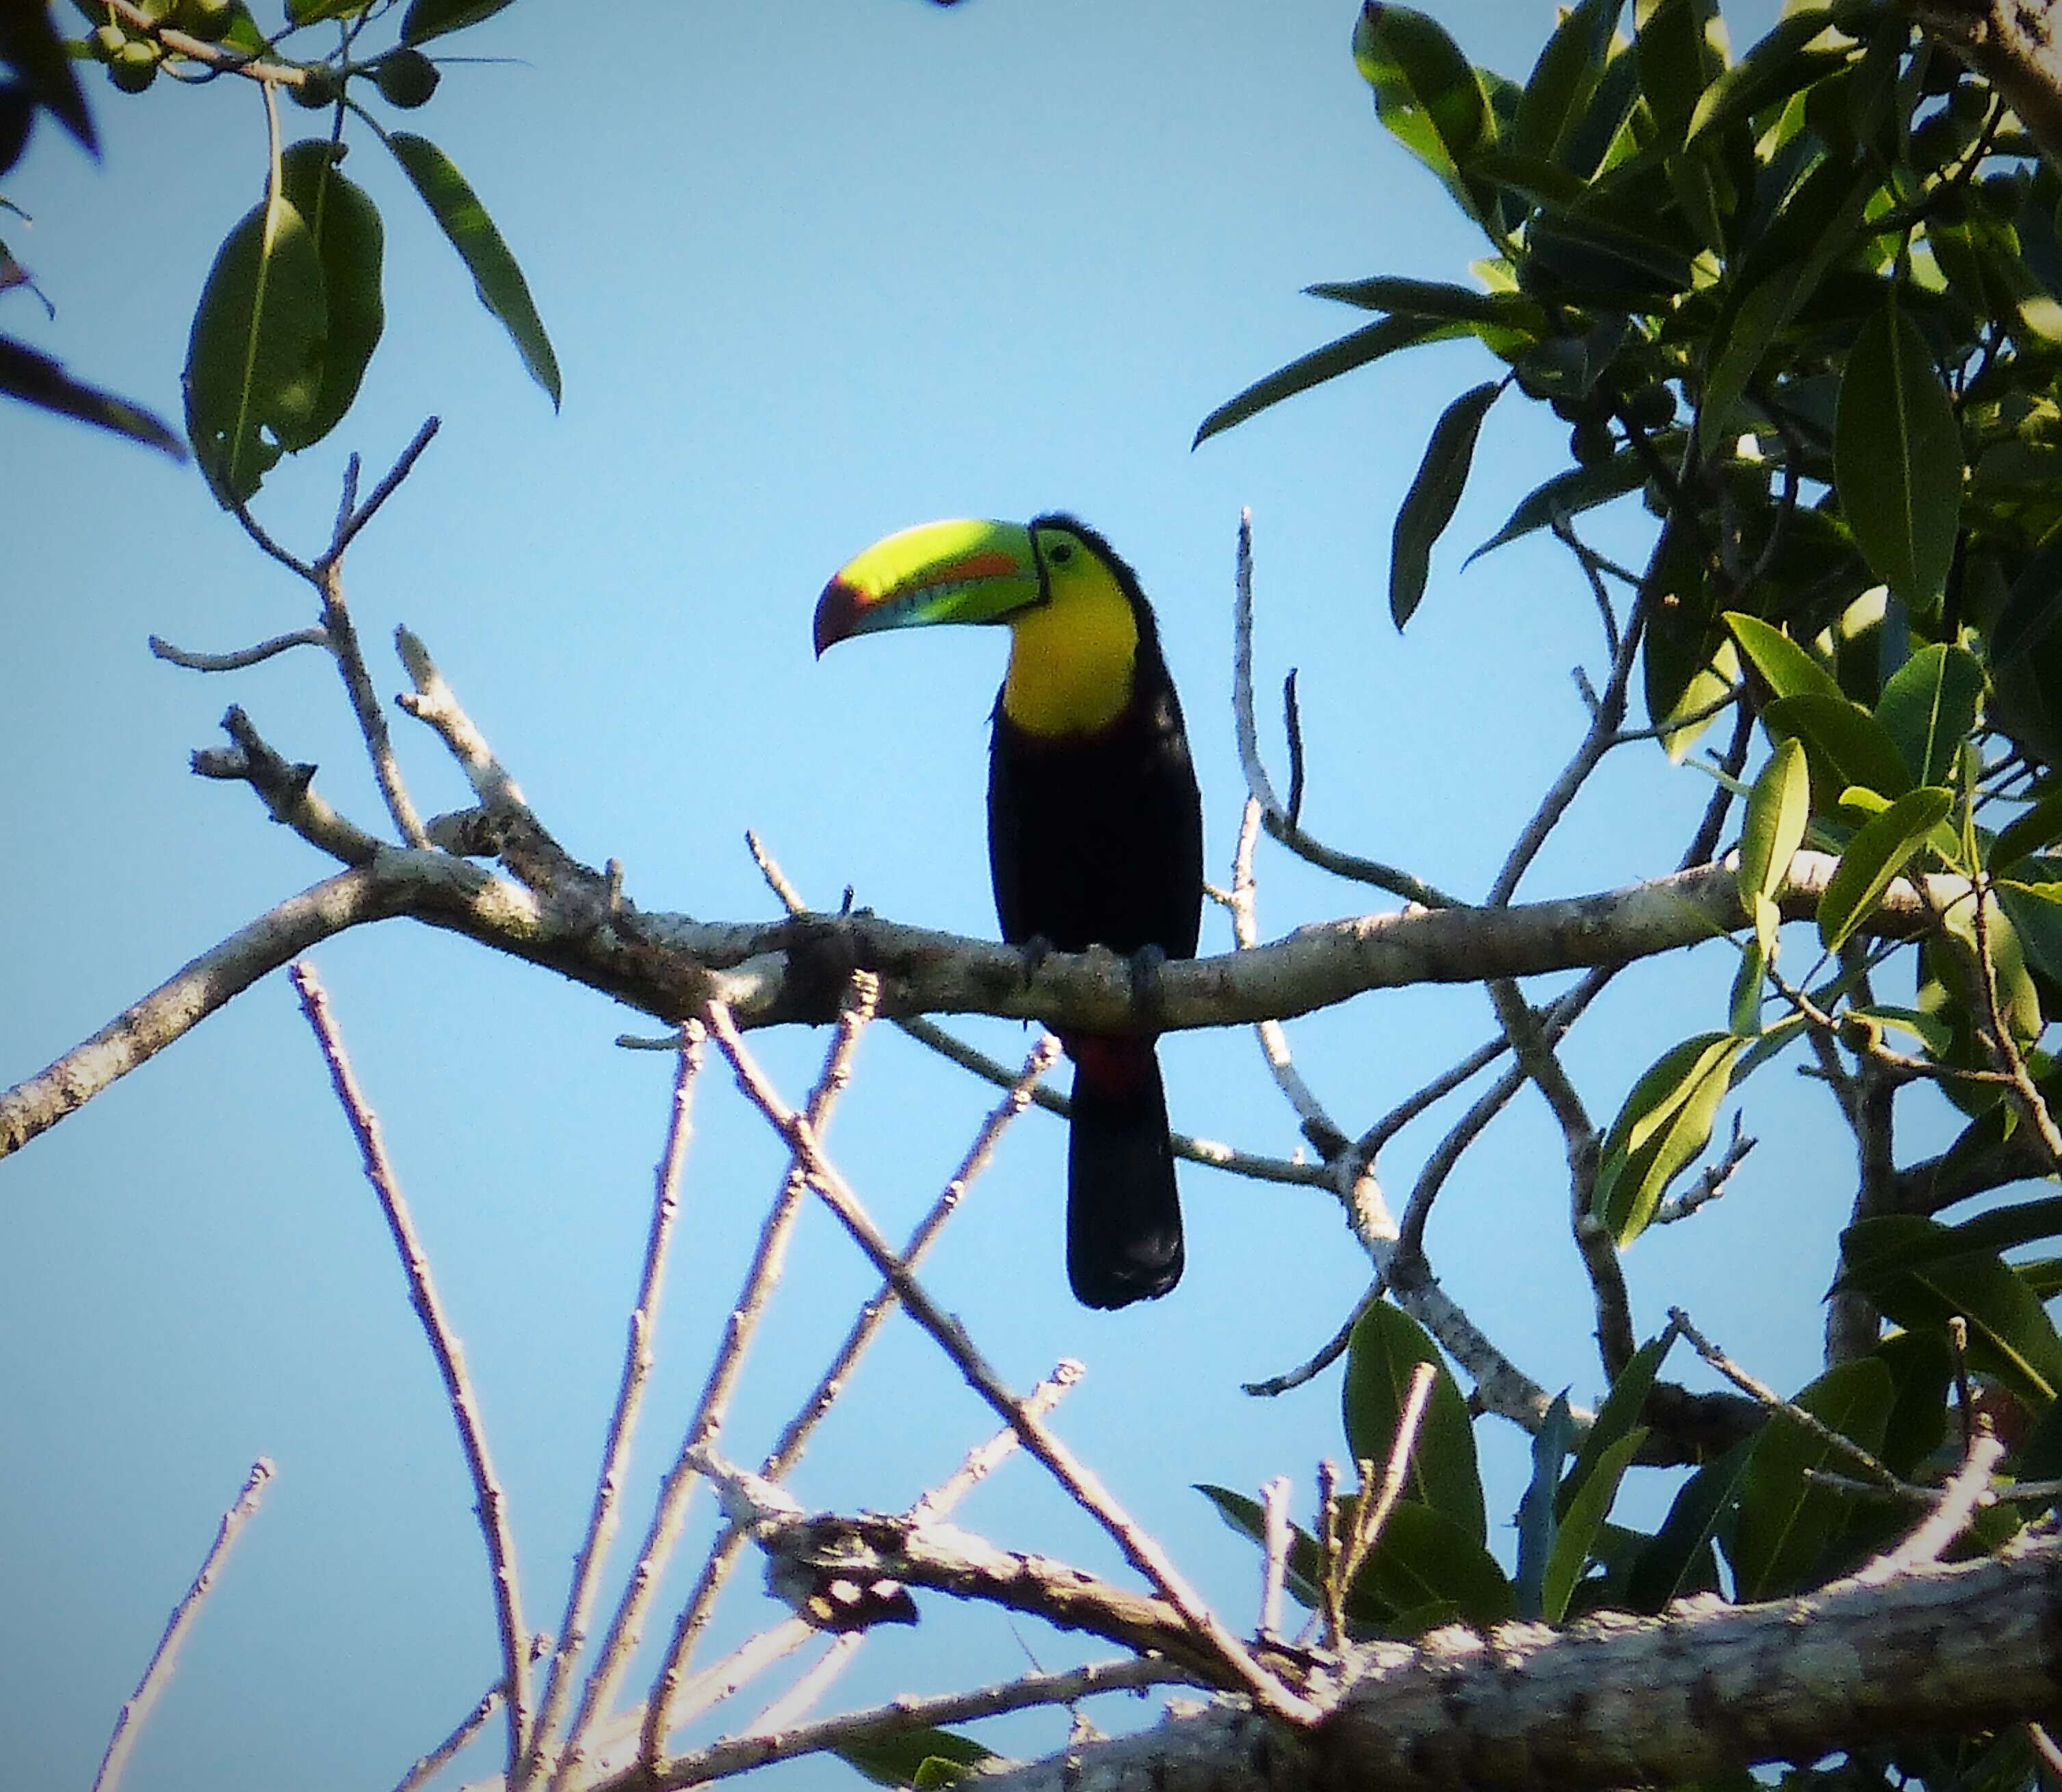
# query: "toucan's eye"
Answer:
x=1061 y=553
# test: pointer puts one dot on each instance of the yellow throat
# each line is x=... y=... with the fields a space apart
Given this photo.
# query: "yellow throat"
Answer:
x=1071 y=658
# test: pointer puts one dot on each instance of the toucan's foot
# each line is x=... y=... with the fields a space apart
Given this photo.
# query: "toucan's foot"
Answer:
x=1144 y=965
x=1034 y=951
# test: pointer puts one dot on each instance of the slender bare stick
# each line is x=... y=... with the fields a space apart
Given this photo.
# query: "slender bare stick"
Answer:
x=1275 y=818
x=490 y=1503
x=1331 y=1588
x=722 y=1760
x=1274 y=1563
x=669 y=1516
x=986 y=1459
x=431 y=1764
x=1969 y=1489
x=243 y=657
x=1139 y=1548
x=661 y=1713
x=350 y=524
x=165 y=1657
x=629 y=1397
x=1329 y=1353
x=1760 y=1390
x=1369 y=1519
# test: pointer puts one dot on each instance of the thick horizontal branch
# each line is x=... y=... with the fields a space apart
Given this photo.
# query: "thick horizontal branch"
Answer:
x=573 y=919
x=1616 y=1700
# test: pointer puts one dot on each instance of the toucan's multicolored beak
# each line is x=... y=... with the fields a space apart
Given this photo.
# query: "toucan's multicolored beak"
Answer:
x=958 y=571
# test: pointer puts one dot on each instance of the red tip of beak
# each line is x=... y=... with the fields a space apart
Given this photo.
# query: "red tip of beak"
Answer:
x=837 y=613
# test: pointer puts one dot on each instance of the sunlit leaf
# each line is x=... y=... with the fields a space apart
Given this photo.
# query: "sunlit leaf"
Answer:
x=499 y=281
x=1428 y=506
x=1877 y=853
x=1773 y=69
x=1425 y=1559
x=1786 y=667
x=1565 y=77
x=1618 y=1416
x=1778 y=809
x=1666 y=1121
x=1929 y=707
x=900 y=1757
x=1897 y=459
x=1854 y=744
x=1425 y=89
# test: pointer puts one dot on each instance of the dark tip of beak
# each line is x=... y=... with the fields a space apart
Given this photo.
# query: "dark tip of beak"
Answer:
x=837 y=613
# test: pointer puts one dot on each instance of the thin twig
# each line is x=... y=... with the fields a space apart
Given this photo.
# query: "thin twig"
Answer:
x=1331 y=1588
x=1274 y=1561
x=1292 y=725
x=1328 y=1353
x=489 y=1500
x=165 y=1657
x=1709 y=1183
x=788 y=1448
x=1139 y=1548
x=431 y=1764
x=1760 y=1390
x=669 y=1514
x=237 y=661
x=355 y=520
x=1969 y=1489
x=721 y=1760
x=637 y=1357
x=983 y=1461
x=1369 y=1521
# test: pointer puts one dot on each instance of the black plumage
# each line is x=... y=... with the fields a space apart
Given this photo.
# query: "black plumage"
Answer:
x=1097 y=840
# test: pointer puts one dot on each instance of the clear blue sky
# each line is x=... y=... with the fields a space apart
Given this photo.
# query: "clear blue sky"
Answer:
x=814 y=272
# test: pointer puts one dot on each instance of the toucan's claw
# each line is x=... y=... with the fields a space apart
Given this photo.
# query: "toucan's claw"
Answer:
x=1144 y=965
x=1034 y=951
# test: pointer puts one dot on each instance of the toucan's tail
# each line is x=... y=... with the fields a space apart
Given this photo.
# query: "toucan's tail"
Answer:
x=1124 y=1219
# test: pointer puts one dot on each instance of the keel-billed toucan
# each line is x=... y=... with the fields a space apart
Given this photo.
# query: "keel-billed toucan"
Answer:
x=1095 y=833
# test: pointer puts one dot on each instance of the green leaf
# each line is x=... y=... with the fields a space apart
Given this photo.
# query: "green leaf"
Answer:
x=1929 y=707
x=900 y=1757
x=2018 y=1002
x=1677 y=60
x=1876 y=854
x=36 y=379
x=1769 y=73
x=1369 y=343
x=1387 y=1344
x=349 y=242
x=464 y=220
x=1586 y=1513
x=1538 y=1522
x=1897 y=459
x=1786 y=1523
x=1301 y=1572
x=1666 y=1121
x=1679 y=1560
x=1617 y=1417
x=2039 y=828
x=1855 y=745
x=1429 y=505
x=1565 y=77
x=434 y=18
x=2036 y=913
x=29 y=43
x=1433 y=298
x=314 y=12
x=1568 y=494
x=1920 y=1366
x=1788 y=670
x=1895 y=1259
x=1425 y=1558
x=1603 y=261
x=254 y=358
x=1778 y=809
x=1425 y=89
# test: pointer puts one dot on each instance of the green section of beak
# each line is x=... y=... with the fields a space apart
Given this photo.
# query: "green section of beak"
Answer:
x=956 y=572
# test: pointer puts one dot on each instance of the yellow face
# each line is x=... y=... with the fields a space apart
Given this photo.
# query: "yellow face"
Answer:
x=1070 y=657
